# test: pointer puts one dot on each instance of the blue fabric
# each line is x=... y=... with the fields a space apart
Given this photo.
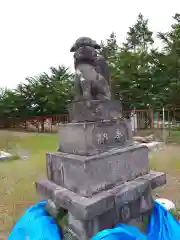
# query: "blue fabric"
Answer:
x=120 y=232
x=162 y=226
x=35 y=224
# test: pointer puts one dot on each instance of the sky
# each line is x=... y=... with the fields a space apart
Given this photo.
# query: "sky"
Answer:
x=38 y=34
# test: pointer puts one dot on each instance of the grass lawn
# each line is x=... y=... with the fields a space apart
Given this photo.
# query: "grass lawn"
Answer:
x=17 y=177
x=168 y=160
x=173 y=137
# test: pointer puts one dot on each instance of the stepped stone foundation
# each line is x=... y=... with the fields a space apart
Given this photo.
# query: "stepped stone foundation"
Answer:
x=98 y=175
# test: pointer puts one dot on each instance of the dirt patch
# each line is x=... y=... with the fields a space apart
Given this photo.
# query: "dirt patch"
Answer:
x=3 y=236
x=170 y=191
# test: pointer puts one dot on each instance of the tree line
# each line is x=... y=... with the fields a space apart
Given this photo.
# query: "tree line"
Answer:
x=142 y=76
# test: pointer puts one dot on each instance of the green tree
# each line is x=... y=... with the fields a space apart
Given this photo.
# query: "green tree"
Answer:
x=109 y=47
x=171 y=62
x=7 y=103
x=47 y=95
x=9 y=107
x=132 y=72
x=139 y=37
x=62 y=86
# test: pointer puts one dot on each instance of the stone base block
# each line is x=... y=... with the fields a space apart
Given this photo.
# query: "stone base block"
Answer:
x=87 y=216
x=89 y=175
x=94 y=110
x=124 y=195
x=89 y=138
x=80 y=230
x=84 y=230
x=141 y=221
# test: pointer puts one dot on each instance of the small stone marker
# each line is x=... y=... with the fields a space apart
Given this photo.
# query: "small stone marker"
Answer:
x=5 y=156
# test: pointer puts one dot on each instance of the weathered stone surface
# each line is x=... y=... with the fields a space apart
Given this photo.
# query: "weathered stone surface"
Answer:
x=134 y=208
x=92 y=76
x=130 y=191
x=94 y=110
x=133 y=196
x=79 y=228
x=89 y=175
x=82 y=207
x=84 y=41
x=87 y=216
x=86 y=229
x=94 y=137
x=157 y=179
x=51 y=208
x=140 y=221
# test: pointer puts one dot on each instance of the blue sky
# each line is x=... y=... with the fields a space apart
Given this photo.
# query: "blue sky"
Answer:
x=37 y=34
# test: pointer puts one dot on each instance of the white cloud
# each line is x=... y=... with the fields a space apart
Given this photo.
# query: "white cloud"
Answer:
x=37 y=34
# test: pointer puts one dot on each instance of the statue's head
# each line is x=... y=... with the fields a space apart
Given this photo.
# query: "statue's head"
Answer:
x=85 y=54
x=84 y=41
x=85 y=51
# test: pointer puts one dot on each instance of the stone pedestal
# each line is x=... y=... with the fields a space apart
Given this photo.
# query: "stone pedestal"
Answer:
x=122 y=203
x=94 y=110
x=99 y=176
x=87 y=175
x=89 y=138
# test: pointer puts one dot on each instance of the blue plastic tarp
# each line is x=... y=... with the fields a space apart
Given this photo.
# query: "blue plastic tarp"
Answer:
x=36 y=224
x=162 y=226
x=120 y=232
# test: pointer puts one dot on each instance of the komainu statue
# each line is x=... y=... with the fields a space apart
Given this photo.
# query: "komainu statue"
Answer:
x=92 y=77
